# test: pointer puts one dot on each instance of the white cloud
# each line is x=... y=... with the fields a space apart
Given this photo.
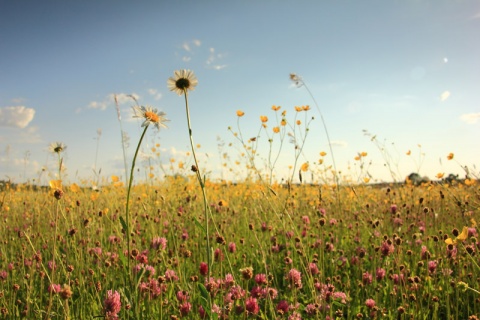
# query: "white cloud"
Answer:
x=213 y=60
x=121 y=98
x=186 y=47
x=338 y=143
x=470 y=118
x=444 y=96
x=17 y=116
x=154 y=92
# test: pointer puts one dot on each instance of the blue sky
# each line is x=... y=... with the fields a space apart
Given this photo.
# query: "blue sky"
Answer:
x=406 y=71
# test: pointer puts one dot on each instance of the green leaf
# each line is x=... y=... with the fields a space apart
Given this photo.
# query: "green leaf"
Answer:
x=199 y=225
x=124 y=224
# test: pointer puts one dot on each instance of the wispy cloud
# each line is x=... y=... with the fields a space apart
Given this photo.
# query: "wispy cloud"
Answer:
x=339 y=143
x=188 y=48
x=214 y=60
x=470 y=118
x=444 y=96
x=109 y=101
x=16 y=116
x=476 y=16
x=155 y=94
x=28 y=136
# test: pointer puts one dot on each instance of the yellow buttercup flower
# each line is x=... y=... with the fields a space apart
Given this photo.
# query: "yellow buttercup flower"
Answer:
x=263 y=119
x=304 y=167
x=74 y=188
x=450 y=156
x=240 y=113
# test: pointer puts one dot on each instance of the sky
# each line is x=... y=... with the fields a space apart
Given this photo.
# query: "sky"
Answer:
x=406 y=72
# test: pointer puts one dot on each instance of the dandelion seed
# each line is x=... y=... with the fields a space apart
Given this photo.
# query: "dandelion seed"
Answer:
x=150 y=116
x=182 y=81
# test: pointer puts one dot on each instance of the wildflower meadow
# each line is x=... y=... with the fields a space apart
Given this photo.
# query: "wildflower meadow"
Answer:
x=186 y=246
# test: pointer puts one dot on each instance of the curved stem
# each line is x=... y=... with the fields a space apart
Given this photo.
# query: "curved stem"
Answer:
x=127 y=207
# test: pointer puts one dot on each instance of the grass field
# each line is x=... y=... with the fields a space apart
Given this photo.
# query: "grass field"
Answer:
x=276 y=252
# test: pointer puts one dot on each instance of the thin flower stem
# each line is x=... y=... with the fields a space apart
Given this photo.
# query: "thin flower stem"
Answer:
x=326 y=132
x=200 y=181
x=127 y=206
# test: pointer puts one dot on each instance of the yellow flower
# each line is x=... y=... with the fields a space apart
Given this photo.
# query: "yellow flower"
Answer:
x=440 y=175
x=469 y=182
x=276 y=129
x=366 y=179
x=304 y=167
x=150 y=115
x=74 y=188
x=284 y=112
x=298 y=109
x=56 y=184
x=56 y=188
x=182 y=81
x=461 y=237
x=299 y=122
x=363 y=154
x=464 y=235
x=323 y=154
x=276 y=108
x=305 y=108
x=320 y=161
x=450 y=156
x=408 y=152
x=114 y=178
x=240 y=113
x=283 y=123
x=264 y=119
